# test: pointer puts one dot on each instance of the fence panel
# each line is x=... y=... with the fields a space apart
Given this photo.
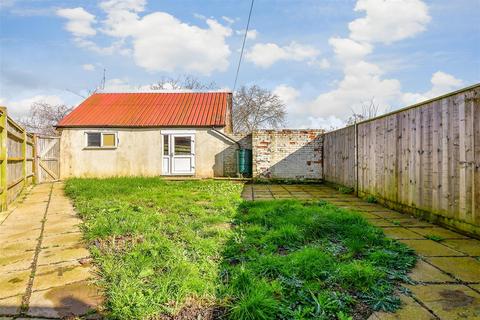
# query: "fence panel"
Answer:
x=424 y=159
x=339 y=157
x=17 y=168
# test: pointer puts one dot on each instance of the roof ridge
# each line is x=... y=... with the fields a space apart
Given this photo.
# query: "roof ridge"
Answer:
x=165 y=92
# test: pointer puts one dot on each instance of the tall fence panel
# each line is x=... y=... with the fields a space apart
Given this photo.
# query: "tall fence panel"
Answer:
x=424 y=159
x=17 y=168
x=339 y=157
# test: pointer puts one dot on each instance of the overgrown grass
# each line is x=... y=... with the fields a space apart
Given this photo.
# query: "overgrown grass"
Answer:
x=158 y=243
x=294 y=260
x=163 y=247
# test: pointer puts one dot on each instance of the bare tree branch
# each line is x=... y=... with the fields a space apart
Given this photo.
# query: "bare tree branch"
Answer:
x=185 y=82
x=369 y=111
x=256 y=108
x=43 y=117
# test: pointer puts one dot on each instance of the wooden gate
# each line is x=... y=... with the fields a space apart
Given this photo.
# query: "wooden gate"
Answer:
x=48 y=158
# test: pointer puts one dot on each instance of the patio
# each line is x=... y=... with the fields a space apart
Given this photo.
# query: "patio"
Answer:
x=447 y=275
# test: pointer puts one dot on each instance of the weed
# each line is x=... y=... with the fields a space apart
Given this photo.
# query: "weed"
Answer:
x=434 y=237
x=345 y=190
x=371 y=199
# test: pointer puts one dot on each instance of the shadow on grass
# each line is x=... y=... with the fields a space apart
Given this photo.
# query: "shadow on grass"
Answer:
x=309 y=260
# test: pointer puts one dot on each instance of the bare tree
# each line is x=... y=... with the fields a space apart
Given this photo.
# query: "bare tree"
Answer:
x=257 y=108
x=369 y=110
x=186 y=82
x=43 y=117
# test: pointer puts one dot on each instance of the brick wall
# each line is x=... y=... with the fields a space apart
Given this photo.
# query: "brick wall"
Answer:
x=287 y=154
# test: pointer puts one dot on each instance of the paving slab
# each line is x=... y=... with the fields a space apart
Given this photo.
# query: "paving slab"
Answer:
x=401 y=233
x=468 y=246
x=429 y=248
x=449 y=301
x=73 y=299
x=390 y=215
x=11 y=305
x=14 y=283
x=424 y=272
x=17 y=261
x=412 y=222
x=62 y=240
x=439 y=232
x=464 y=268
x=53 y=255
x=410 y=310
x=368 y=215
x=475 y=287
x=61 y=274
x=381 y=223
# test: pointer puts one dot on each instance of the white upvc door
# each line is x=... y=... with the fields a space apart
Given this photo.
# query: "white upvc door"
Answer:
x=179 y=156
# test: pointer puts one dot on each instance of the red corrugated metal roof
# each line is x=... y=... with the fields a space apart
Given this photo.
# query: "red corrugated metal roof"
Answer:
x=186 y=109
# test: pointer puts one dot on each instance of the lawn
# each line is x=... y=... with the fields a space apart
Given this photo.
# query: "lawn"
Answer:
x=195 y=250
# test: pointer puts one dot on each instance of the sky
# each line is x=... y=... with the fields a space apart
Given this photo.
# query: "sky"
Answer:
x=325 y=59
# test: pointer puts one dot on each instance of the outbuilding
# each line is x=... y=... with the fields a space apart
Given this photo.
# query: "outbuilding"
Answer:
x=149 y=134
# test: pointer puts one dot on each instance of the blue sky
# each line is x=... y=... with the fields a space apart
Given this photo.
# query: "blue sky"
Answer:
x=325 y=59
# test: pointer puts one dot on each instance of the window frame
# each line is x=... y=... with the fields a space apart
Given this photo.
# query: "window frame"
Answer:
x=115 y=133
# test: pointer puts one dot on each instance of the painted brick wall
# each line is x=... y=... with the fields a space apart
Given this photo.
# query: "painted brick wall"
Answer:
x=287 y=154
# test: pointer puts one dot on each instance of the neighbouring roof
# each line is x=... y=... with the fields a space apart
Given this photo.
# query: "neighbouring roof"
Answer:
x=185 y=109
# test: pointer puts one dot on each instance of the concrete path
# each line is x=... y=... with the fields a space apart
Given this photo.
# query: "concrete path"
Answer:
x=45 y=269
x=447 y=275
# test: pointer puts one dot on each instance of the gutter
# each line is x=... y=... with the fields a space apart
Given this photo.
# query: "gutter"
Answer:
x=227 y=137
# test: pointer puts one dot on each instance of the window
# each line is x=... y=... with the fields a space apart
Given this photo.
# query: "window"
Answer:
x=166 y=150
x=101 y=139
x=108 y=140
x=183 y=145
x=94 y=139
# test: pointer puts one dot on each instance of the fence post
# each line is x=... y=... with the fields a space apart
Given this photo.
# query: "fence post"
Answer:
x=24 y=156
x=34 y=157
x=3 y=158
x=356 y=156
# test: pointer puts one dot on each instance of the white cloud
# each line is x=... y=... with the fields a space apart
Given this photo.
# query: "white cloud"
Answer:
x=388 y=21
x=266 y=54
x=442 y=83
x=163 y=43
x=228 y=19
x=158 y=41
x=287 y=94
x=79 y=21
x=322 y=63
x=362 y=82
x=88 y=67
x=327 y=123
x=298 y=111
x=348 y=50
x=124 y=85
x=251 y=35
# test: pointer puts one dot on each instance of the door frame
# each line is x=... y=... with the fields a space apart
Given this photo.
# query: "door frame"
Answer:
x=171 y=147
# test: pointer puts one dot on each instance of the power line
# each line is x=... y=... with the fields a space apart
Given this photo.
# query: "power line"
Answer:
x=243 y=46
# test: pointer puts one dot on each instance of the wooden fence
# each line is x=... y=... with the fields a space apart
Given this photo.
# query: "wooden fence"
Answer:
x=17 y=156
x=424 y=159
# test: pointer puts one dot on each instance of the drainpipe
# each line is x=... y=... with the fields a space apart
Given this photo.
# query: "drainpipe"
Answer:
x=232 y=140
